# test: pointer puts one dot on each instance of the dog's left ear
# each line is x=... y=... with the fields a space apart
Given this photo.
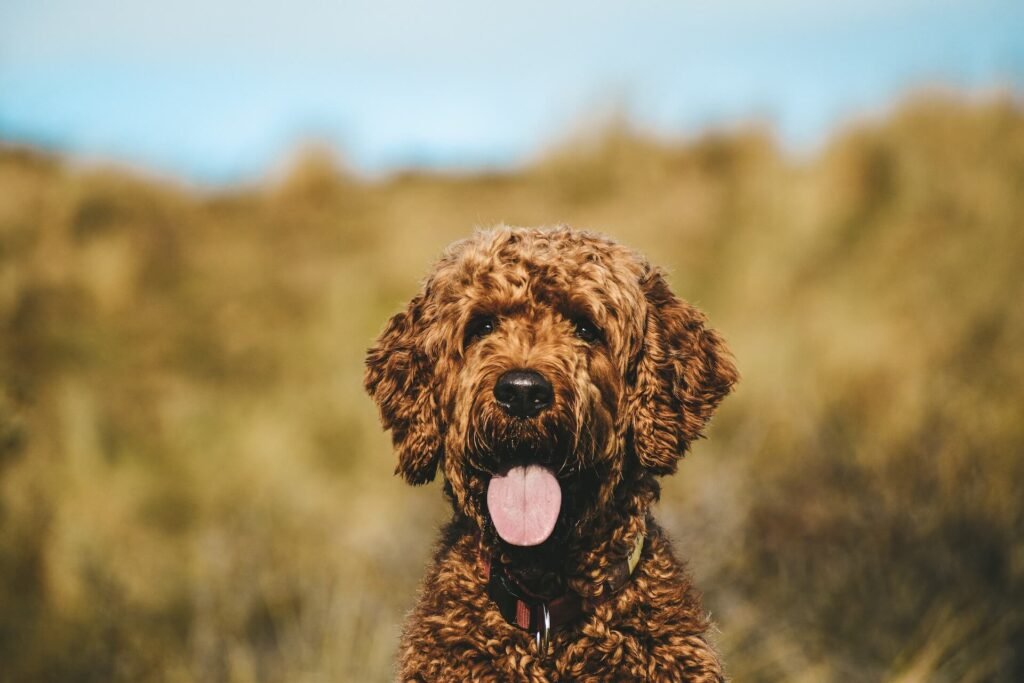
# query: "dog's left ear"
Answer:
x=399 y=377
x=683 y=371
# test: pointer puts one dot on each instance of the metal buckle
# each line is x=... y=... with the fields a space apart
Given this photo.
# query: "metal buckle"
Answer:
x=543 y=635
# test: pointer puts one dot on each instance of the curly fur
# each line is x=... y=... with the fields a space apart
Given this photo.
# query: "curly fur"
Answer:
x=626 y=407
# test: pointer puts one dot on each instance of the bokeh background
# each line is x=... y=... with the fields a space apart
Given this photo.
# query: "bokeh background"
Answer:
x=208 y=210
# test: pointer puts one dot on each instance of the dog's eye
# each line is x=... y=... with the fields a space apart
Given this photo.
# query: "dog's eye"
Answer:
x=478 y=326
x=587 y=330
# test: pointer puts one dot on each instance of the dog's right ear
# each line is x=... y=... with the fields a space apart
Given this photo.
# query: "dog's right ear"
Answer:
x=399 y=377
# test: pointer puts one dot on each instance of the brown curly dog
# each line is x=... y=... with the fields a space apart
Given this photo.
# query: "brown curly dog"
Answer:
x=552 y=376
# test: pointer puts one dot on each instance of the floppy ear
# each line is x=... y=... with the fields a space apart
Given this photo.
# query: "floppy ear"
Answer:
x=683 y=371
x=399 y=378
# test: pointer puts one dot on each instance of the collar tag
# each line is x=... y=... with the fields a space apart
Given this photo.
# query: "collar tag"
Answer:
x=634 y=557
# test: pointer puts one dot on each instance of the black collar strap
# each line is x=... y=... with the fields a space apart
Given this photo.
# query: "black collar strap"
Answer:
x=539 y=616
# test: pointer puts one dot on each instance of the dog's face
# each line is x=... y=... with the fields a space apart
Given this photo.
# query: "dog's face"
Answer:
x=546 y=371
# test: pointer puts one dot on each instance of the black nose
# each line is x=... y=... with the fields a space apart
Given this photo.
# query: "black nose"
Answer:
x=523 y=393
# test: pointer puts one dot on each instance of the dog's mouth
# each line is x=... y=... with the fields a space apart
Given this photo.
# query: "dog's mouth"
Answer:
x=524 y=503
x=528 y=485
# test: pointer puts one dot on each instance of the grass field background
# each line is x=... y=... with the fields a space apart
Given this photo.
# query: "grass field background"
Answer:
x=193 y=486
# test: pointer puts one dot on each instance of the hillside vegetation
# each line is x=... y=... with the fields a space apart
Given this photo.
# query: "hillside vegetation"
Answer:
x=193 y=486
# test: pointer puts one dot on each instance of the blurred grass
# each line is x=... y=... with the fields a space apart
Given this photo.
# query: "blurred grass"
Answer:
x=194 y=488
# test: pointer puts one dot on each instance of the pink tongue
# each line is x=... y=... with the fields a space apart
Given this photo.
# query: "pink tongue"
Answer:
x=524 y=504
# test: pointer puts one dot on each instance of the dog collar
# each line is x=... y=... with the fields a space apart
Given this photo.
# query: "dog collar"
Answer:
x=541 y=616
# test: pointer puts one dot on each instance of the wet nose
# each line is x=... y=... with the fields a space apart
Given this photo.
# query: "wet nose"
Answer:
x=523 y=393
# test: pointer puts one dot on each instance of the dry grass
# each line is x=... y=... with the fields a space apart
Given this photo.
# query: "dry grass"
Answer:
x=194 y=488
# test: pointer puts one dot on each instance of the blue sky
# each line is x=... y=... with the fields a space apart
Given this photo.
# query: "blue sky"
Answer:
x=224 y=91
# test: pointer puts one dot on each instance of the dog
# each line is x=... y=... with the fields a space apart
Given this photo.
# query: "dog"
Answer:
x=553 y=377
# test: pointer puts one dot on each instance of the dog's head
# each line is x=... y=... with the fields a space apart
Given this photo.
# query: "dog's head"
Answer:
x=546 y=372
